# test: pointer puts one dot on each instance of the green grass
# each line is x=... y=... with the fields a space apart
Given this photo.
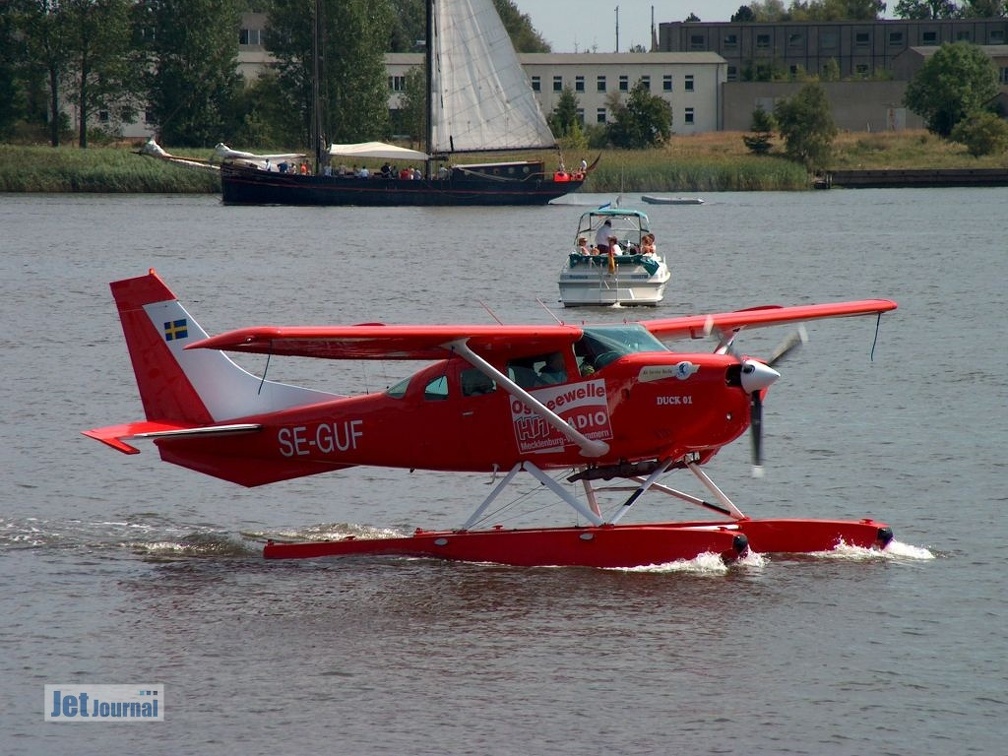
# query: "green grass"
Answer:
x=700 y=163
x=103 y=169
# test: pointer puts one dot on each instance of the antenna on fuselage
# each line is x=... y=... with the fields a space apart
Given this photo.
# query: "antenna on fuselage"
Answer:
x=490 y=312
x=551 y=313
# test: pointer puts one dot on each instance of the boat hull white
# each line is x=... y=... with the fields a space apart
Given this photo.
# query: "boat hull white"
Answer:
x=590 y=285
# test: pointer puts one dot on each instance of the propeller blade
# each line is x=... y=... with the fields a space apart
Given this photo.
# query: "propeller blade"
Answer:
x=787 y=346
x=756 y=432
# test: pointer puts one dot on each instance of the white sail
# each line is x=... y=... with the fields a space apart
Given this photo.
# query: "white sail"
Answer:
x=481 y=98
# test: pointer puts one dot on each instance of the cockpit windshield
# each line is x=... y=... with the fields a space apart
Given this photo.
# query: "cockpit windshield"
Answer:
x=602 y=344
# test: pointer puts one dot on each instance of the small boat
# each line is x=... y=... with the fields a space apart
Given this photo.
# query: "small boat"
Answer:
x=653 y=200
x=629 y=278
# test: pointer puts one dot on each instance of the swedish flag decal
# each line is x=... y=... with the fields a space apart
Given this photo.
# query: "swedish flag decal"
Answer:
x=176 y=329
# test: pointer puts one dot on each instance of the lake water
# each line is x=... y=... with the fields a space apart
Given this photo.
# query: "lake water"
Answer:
x=126 y=570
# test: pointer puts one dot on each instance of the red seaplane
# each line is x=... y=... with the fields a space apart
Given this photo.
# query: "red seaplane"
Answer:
x=611 y=404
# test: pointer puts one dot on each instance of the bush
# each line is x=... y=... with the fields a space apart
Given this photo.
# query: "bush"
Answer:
x=982 y=133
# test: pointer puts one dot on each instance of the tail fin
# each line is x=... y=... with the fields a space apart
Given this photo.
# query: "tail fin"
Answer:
x=186 y=392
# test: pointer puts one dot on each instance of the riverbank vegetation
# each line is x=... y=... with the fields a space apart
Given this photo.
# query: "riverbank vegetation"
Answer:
x=701 y=163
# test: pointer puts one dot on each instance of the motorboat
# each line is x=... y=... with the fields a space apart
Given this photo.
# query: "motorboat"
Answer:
x=599 y=277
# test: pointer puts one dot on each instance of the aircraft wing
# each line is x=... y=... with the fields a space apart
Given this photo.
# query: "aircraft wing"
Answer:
x=393 y=342
x=701 y=326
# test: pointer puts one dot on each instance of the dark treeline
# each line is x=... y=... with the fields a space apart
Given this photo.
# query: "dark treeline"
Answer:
x=79 y=69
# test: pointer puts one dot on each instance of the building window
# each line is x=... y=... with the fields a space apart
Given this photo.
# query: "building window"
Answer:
x=103 y=116
x=862 y=39
x=929 y=38
x=732 y=73
x=666 y=82
x=558 y=83
x=1004 y=76
x=997 y=37
x=536 y=85
x=896 y=38
x=963 y=35
x=148 y=116
x=396 y=83
x=579 y=83
x=793 y=70
x=624 y=83
x=828 y=40
x=688 y=117
x=730 y=41
x=600 y=115
x=249 y=37
x=580 y=116
x=762 y=41
x=688 y=83
x=697 y=42
x=600 y=84
x=646 y=81
x=861 y=69
x=796 y=40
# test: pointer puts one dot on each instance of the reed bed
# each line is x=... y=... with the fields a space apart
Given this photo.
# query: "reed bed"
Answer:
x=699 y=163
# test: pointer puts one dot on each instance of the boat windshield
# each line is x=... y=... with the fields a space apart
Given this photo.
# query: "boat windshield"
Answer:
x=613 y=341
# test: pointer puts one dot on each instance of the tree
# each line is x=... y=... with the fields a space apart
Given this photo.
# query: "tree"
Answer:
x=806 y=124
x=12 y=60
x=353 y=85
x=955 y=82
x=644 y=121
x=413 y=104
x=983 y=9
x=926 y=9
x=743 y=15
x=103 y=71
x=564 y=118
x=409 y=25
x=519 y=27
x=762 y=126
x=982 y=133
x=192 y=81
x=48 y=53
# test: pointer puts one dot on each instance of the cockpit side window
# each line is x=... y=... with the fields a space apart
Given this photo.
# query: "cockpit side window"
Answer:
x=475 y=383
x=437 y=388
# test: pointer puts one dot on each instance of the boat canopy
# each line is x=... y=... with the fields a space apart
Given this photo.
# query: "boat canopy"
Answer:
x=378 y=150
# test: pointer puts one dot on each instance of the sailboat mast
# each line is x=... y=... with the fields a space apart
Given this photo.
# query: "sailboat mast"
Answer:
x=316 y=122
x=429 y=101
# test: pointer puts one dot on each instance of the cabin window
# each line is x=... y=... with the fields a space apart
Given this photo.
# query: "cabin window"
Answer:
x=542 y=370
x=399 y=390
x=475 y=383
x=579 y=84
x=437 y=388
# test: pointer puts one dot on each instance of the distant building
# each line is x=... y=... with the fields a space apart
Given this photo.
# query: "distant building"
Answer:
x=861 y=49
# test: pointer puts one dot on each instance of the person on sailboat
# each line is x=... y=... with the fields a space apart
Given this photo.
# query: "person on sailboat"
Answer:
x=602 y=237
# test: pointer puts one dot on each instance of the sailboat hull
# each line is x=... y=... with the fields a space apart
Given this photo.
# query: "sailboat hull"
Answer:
x=250 y=186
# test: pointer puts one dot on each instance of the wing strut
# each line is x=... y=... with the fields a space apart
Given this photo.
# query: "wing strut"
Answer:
x=589 y=447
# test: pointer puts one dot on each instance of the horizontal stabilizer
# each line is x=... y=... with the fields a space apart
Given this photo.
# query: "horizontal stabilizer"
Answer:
x=113 y=435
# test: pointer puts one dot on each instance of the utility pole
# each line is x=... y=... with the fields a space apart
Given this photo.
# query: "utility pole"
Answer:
x=617 y=28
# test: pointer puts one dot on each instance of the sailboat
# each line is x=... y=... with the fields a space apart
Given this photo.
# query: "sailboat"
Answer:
x=478 y=100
